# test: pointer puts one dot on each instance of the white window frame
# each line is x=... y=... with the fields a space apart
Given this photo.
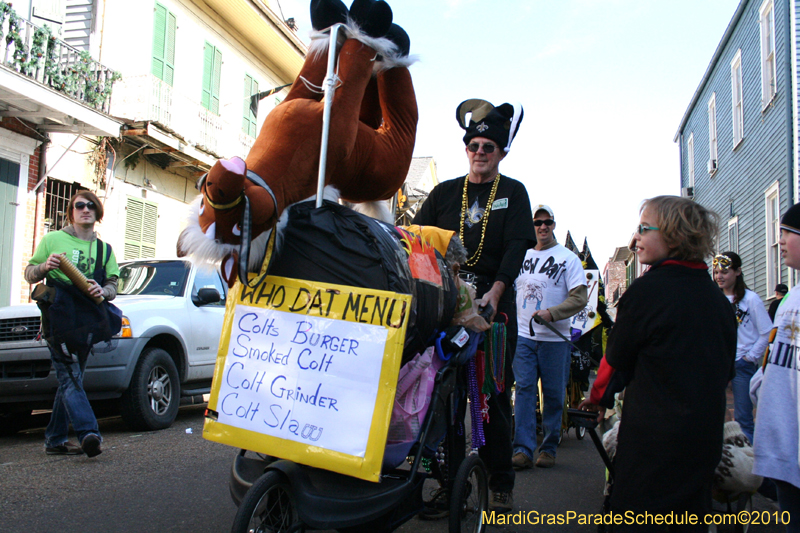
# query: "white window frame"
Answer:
x=733 y=229
x=690 y=158
x=737 y=99
x=766 y=22
x=713 y=163
x=772 y=213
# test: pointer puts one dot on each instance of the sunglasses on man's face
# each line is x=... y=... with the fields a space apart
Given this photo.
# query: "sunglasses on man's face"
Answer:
x=487 y=148
x=549 y=222
x=80 y=205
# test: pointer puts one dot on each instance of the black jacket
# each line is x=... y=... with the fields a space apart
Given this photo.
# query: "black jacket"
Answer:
x=675 y=339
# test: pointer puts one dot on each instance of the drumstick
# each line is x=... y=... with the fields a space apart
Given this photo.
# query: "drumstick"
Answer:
x=77 y=278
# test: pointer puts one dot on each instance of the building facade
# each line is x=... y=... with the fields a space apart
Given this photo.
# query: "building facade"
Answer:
x=737 y=138
x=194 y=85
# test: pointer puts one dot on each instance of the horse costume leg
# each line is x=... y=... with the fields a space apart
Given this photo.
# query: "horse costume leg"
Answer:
x=390 y=147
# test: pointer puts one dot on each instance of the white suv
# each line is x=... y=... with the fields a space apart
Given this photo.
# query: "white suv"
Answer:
x=167 y=349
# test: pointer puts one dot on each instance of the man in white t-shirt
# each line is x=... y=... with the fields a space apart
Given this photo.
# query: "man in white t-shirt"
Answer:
x=552 y=285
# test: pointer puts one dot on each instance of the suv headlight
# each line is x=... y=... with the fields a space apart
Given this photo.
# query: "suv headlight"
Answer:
x=126 y=331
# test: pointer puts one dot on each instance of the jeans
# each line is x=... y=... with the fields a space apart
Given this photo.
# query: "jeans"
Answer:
x=550 y=362
x=742 y=405
x=71 y=404
x=789 y=501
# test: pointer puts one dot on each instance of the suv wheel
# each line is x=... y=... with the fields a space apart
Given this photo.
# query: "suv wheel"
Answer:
x=153 y=396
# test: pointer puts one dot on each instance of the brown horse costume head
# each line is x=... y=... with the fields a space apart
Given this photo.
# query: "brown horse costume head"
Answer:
x=373 y=124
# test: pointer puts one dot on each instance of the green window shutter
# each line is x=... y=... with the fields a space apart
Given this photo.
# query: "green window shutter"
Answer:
x=217 y=78
x=169 y=45
x=212 y=76
x=208 y=71
x=164 y=28
x=248 y=118
x=159 y=34
x=141 y=219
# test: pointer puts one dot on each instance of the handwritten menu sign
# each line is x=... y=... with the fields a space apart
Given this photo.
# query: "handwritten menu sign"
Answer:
x=307 y=371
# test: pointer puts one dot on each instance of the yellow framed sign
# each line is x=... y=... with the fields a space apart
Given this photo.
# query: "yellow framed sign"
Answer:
x=307 y=371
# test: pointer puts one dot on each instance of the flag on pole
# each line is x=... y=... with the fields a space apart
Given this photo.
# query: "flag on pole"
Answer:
x=254 y=99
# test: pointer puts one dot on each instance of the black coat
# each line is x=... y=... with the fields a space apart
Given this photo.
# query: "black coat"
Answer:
x=675 y=337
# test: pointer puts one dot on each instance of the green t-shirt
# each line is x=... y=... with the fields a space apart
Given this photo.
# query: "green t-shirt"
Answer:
x=81 y=253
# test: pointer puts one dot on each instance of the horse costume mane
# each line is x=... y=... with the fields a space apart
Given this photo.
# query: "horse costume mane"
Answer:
x=373 y=123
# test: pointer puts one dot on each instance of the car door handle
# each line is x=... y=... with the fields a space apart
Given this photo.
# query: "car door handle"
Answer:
x=15 y=204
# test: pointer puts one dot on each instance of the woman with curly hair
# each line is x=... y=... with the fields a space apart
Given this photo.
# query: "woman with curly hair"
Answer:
x=672 y=348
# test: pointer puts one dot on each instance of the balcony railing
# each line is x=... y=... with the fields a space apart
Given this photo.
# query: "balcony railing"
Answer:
x=34 y=52
x=146 y=98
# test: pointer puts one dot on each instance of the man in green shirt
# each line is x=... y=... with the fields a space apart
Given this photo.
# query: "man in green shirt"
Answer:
x=77 y=243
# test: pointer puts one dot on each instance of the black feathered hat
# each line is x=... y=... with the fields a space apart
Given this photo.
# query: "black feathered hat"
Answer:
x=499 y=124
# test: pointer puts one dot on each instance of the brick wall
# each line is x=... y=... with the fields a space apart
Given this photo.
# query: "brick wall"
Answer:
x=616 y=280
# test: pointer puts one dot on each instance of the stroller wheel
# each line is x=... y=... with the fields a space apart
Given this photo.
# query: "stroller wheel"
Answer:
x=580 y=432
x=470 y=497
x=268 y=507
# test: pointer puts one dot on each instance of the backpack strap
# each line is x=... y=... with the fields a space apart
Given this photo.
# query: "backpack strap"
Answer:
x=100 y=264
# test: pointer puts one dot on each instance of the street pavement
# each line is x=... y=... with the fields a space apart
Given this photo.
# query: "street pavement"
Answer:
x=175 y=481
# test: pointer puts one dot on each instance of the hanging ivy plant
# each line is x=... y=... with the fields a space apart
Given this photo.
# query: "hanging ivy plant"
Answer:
x=84 y=79
x=40 y=37
x=4 y=10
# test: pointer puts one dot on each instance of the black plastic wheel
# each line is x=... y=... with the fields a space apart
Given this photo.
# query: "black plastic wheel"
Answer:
x=268 y=507
x=470 y=497
x=580 y=432
x=154 y=393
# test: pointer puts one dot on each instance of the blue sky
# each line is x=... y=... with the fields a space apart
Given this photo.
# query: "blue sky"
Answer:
x=604 y=85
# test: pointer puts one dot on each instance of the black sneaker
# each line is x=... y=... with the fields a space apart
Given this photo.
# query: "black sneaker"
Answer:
x=64 y=449
x=91 y=445
x=437 y=507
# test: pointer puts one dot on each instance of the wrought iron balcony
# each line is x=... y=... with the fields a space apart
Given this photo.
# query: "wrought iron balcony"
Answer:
x=34 y=52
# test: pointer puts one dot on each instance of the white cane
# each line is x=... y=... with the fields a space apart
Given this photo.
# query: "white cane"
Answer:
x=330 y=88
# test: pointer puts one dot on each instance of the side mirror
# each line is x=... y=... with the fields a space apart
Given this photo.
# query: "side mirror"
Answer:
x=205 y=296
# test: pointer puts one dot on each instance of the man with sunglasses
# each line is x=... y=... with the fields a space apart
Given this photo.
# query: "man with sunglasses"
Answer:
x=551 y=286
x=491 y=214
x=79 y=243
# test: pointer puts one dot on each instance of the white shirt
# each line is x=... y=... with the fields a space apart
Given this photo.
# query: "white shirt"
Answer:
x=544 y=281
x=754 y=327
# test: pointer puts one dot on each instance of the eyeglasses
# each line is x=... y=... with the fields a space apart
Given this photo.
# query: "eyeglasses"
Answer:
x=488 y=148
x=549 y=222
x=641 y=229
x=80 y=205
x=723 y=262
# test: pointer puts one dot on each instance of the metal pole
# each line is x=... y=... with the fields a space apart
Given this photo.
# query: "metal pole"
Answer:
x=330 y=87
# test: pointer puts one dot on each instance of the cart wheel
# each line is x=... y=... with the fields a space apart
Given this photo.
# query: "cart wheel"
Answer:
x=580 y=432
x=268 y=507
x=470 y=497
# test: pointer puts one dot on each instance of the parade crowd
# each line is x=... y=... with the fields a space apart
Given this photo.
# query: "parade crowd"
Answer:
x=681 y=336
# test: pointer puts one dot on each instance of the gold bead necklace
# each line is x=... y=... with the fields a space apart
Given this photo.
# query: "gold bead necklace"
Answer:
x=472 y=261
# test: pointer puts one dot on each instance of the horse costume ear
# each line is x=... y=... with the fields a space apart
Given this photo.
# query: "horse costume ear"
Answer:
x=500 y=124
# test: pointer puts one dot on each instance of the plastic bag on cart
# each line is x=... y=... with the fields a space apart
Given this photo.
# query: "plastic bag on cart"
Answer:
x=413 y=397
